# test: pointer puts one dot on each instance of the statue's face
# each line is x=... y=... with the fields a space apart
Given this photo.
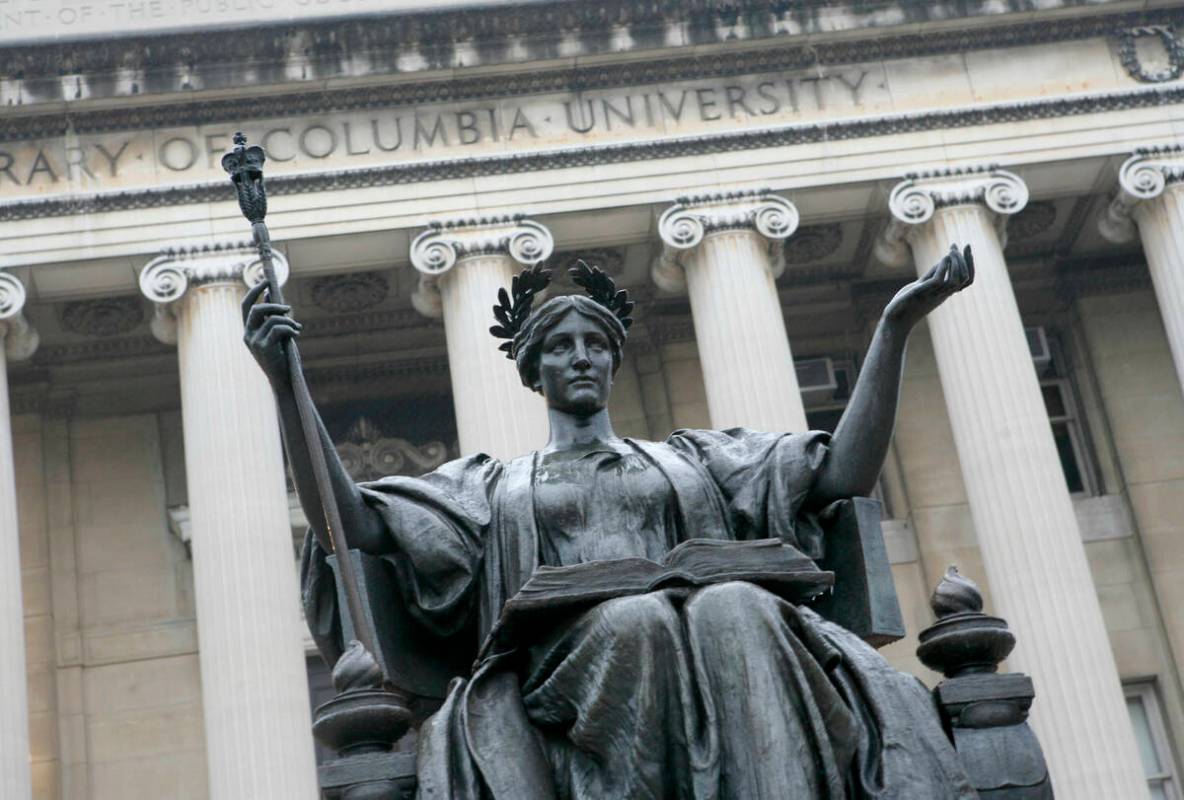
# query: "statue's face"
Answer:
x=576 y=366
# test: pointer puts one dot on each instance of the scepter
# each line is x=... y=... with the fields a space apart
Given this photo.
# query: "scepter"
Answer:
x=245 y=166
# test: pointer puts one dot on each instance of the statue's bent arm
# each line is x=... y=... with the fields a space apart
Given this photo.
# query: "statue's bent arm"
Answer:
x=861 y=439
x=267 y=327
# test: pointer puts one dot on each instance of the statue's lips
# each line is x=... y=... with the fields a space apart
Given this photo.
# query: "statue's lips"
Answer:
x=582 y=381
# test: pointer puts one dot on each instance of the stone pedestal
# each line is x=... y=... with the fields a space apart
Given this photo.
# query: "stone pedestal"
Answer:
x=254 y=683
x=1151 y=196
x=1018 y=498
x=725 y=251
x=18 y=340
x=462 y=266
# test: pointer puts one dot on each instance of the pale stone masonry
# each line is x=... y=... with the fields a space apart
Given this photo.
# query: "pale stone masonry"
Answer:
x=1027 y=529
x=731 y=165
x=17 y=340
x=257 y=721
x=725 y=251
x=462 y=266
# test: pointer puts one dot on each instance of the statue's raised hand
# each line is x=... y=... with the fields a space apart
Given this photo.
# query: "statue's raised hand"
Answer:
x=267 y=327
x=950 y=275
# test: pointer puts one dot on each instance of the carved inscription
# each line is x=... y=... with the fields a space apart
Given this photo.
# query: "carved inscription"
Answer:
x=369 y=138
x=29 y=19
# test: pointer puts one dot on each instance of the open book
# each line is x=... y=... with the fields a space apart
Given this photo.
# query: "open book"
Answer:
x=553 y=592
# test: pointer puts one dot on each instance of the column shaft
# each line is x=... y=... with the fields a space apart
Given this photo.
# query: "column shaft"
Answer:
x=15 y=777
x=748 y=369
x=1024 y=518
x=1161 y=227
x=495 y=413
x=254 y=684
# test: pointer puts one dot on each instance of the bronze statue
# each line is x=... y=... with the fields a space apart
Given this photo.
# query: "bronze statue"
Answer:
x=705 y=688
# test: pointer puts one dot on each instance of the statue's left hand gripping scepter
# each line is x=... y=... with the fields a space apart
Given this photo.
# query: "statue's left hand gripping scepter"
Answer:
x=245 y=166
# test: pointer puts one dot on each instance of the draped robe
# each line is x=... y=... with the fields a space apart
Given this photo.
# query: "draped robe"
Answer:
x=544 y=720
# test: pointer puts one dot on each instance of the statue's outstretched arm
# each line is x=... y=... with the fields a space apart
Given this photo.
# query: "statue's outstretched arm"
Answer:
x=860 y=441
x=267 y=327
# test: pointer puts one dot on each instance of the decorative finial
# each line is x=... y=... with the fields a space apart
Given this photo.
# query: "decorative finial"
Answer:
x=356 y=669
x=955 y=594
x=963 y=640
x=245 y=167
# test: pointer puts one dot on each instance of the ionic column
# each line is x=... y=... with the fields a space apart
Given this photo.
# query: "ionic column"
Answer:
x=254 y=683
x=1020 y=503
x=18 y=340
x=462 y=265
x=726 y=251
x=1151 y=196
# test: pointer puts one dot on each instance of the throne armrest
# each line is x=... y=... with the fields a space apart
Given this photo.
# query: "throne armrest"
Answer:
x=864 y=598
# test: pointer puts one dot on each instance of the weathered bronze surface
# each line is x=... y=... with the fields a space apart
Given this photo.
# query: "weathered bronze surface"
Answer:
x=622 y=675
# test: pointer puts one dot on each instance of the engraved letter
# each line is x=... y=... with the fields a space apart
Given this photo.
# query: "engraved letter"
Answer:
x=113 y=159
x=426 y=138
x=326 y=148
x=266 y=143
x=674 y=111
x=466 y=127
x=610 y=110
x=378 y=136
x=76 y=162
x=571 y=123
x=349 y=142
x=706 y=103
x=771 y=104
x=168 y=156
x=521 y=121
x=735 y=95
x=41 y=164
x=6 y=167
x=853 y=86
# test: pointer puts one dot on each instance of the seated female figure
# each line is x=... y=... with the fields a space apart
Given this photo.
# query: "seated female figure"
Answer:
x=724 y=691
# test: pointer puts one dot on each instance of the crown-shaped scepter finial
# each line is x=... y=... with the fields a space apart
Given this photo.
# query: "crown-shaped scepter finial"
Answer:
x=245 y=167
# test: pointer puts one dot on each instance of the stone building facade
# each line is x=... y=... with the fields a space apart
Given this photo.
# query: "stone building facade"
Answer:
x=761 y=175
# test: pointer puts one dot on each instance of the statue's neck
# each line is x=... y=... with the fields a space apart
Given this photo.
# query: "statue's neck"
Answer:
x=578 y=431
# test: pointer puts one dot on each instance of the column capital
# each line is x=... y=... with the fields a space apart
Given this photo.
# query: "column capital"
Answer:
x=683 y=226
x=167 y=277
x=915 y=200
x=1144 y=176
x=19 y=337
x=437 y=250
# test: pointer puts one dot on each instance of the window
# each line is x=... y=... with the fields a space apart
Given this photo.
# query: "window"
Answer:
x=1060 y=401
x=1142 y=703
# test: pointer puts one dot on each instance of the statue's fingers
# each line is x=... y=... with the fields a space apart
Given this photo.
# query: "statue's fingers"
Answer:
x=279 y=329
x=252 y=295
x=260 y=312
x=968 y=257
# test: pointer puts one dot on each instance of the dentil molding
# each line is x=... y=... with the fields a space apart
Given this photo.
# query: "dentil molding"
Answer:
x=435 y=252
x=167 y=277
x=1142 y=177
x=917 y=198
x=20 y=338
x=683 y=226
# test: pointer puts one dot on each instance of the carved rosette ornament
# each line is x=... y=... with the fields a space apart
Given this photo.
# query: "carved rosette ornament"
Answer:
x=19 y=337
x=683 y=226
x=437 y=250
x=168 y=276
x=918 y=197
x=1144 y=176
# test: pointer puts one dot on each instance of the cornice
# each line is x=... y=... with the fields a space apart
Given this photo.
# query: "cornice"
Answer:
x=694 y=66
x=447 y=169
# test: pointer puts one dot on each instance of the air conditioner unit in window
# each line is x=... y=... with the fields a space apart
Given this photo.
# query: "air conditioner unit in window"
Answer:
x=816 y=379
x=1038 y=347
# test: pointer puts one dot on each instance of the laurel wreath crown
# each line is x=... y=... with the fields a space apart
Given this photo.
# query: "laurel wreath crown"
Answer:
x=513 y=308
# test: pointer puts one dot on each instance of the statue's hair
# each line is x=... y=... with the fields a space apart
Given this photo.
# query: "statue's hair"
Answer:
x=528 y=343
